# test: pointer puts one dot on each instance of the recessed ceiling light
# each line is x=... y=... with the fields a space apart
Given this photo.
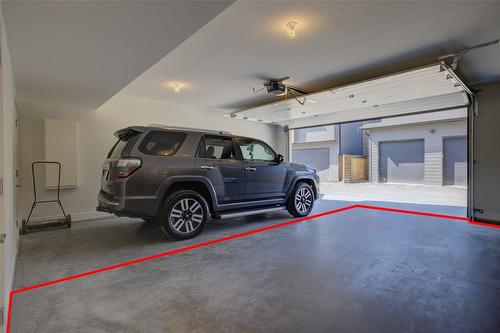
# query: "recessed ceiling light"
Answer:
x=291 y=28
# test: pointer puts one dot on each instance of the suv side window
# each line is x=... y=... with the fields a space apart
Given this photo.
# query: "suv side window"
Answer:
x=253 y=150
x=216 y=148
x=162 y=143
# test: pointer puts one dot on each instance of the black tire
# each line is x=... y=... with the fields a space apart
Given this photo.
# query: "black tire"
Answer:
x=150 y=220
x=301 y=200
x=180 y=218
x=23 y=229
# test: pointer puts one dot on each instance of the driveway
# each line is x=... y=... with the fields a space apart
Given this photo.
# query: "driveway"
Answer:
x=403 y=193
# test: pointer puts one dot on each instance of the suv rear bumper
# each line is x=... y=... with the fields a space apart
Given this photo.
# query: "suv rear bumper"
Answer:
x=132 y=207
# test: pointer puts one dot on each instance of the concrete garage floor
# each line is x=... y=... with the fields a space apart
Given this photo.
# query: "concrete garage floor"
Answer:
x=355 y=271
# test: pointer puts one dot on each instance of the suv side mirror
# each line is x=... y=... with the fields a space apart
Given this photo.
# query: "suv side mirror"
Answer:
x=280 y=158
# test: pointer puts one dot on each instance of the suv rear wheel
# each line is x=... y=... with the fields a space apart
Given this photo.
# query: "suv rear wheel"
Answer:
x=184 y=215
x=301 y=200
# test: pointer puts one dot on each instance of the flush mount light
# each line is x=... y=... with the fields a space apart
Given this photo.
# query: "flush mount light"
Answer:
x=177 y=87
x=291 y=28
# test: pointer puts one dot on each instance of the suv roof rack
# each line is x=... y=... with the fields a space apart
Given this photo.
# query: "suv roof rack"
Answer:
x=189 y=129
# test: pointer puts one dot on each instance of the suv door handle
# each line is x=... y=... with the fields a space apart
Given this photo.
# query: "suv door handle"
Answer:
x=207 y=167
x=250 y=169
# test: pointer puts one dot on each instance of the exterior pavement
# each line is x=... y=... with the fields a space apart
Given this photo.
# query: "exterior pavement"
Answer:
x=396 y=193
x=357 y=270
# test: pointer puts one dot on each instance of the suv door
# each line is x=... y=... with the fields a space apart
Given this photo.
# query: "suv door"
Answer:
x=265 y=175
x=218 y=162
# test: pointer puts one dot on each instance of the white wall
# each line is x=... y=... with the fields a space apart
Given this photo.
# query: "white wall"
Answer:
x=433 y=145
x=486 y=190
x=8 y=218
x=95 y=138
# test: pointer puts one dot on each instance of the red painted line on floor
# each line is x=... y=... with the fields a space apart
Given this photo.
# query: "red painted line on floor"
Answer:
x=224 y=239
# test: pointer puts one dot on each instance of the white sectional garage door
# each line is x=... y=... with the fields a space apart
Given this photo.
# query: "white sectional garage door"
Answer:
x=318 y=158
x=429 y=88
x=455 y=161
x=402 y=162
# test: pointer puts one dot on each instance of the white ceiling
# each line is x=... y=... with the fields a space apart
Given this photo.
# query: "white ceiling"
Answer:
x=335 y=40
x=80 y=53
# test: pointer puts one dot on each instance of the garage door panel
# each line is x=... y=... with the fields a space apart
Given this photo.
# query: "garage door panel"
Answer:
x=402 y=162
x=455 y=161
x=318 y=158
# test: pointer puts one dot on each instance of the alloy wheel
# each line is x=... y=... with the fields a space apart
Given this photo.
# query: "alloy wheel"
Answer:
x=303 y=200
x=186 y=216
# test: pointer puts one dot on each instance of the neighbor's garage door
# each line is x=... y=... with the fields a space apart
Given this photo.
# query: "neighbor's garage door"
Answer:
x=455 y=161
x=318 y=158
x=402 y=162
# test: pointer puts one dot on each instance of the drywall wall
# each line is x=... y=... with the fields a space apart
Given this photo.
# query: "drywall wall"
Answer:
x=95 y=138
x=486 y=169
x=8 y=199
x=63 y=151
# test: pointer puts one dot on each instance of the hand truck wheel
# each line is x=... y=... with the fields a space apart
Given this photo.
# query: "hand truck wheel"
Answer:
x=68 y=221
x=23 y=227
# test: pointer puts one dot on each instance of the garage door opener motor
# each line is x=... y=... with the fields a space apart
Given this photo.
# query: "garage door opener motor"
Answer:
x=65 y=220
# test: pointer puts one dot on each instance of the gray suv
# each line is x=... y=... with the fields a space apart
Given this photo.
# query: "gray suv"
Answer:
x=179 y=177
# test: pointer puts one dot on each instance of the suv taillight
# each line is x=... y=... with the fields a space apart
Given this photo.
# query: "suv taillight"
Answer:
x=126 y=166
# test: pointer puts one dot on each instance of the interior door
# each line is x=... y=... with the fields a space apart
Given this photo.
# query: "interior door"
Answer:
x=265 y=176
x=216 y=160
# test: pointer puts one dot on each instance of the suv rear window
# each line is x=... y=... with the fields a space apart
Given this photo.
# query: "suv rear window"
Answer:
x=162 y=143
x=123 y=145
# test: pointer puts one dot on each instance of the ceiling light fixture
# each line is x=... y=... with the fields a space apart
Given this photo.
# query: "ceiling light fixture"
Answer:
x=291 y=28
x=177 y=87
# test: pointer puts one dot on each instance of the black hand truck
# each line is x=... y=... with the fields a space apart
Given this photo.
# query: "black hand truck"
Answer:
x=66 y=220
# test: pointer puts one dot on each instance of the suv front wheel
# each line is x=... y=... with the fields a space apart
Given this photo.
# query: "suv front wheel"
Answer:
x=184 y=215
x=301 y=200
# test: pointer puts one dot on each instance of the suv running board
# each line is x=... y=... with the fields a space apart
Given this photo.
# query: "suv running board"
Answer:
x=246 y=212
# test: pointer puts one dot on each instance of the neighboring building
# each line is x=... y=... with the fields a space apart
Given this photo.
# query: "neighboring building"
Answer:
x=420 y=149
x=319 y=147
